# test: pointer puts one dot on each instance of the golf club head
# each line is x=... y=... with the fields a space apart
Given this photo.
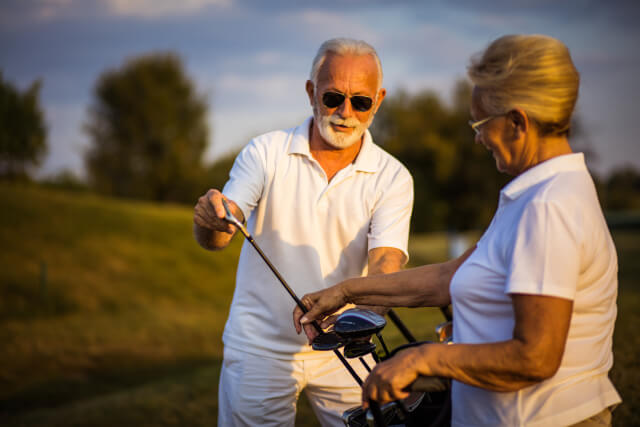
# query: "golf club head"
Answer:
x=355 y=417
x=445 y=331
x=233 y=220
x=327 y=341
x=358 y=323
x=391 y=415
x=358 y=348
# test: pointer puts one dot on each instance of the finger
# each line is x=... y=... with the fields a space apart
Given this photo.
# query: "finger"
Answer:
x=329 y=321
x=371 y=393
x=310 y=332
x=297 y=314
x=215 y=200
x=314 y=313
x=308 y=303
x=197 y=218
x=401 y=394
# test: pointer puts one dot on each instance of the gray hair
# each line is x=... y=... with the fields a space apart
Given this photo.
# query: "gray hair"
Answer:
x=533 y=72
x=343 y=46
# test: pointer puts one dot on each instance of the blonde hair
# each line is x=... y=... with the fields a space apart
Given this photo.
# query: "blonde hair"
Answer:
x=343 y=46
x=532 y=72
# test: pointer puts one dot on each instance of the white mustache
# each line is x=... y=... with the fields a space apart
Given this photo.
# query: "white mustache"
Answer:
x=351 y=122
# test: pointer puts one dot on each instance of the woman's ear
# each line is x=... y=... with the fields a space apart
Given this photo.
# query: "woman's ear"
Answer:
x=519 y=121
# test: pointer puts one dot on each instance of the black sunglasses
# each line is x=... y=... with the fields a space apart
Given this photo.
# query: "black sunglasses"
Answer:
x=358 y=102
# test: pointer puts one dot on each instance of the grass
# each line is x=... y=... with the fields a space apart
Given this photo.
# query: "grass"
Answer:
x=110 y=314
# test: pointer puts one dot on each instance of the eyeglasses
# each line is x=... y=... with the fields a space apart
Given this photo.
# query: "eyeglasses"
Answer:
x=476 y=125
x=358 y=102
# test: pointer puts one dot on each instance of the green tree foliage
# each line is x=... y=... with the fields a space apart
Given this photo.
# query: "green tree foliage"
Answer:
x=148 y=130
x=23 y=132
x=622 y=190
x=217 y=173
x=456 y=181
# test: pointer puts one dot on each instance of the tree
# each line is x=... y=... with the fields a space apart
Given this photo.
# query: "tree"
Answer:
x=217 y=173
x=23 y=132
x=456 y=181
x=622 y=190
x=148 y=130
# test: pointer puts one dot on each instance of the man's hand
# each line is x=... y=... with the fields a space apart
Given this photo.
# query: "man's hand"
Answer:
x=389 y=379
x=321 y=306
x=209 y=213
x=210 y=229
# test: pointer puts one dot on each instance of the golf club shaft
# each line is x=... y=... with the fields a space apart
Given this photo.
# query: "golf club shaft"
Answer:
x=446 y=312
x=297 y=300
x=281 y=279
x=401 y=326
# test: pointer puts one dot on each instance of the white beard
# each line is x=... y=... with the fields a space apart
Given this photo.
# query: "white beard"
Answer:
x=339 y=139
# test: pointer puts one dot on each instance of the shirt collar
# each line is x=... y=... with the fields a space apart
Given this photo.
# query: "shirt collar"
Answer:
x=539 y=173
x=366 y=161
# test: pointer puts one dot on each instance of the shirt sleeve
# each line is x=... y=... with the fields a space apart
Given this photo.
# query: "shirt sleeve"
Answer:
x=247 y=178
x=392 y=214
x=545 y=259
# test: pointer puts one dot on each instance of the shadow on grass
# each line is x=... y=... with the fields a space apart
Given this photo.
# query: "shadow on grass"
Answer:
x=107 y=378
x=20 y=301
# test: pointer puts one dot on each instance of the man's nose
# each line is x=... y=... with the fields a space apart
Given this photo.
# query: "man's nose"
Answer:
x=345 y=109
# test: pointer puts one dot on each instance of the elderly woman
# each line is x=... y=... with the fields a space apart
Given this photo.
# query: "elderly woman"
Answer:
x=534 y=301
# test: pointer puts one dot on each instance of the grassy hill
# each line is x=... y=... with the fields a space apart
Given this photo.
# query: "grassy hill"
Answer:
x=101 y=302
x=110 y=314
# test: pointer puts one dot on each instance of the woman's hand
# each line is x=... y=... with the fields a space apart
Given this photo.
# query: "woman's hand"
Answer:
x=389 y=379
x=321 y=306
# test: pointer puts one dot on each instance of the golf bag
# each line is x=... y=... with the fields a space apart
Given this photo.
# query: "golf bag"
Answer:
x=429 y=404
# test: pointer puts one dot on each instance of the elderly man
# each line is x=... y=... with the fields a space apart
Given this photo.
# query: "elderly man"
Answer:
x=325 y=204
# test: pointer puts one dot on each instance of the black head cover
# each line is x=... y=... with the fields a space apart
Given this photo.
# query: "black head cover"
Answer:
x=358 y=348
x=327 y=341
x=358 y=323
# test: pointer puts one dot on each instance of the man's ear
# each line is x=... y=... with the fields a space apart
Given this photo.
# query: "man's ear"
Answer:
x=310 y=88
x=381 y=94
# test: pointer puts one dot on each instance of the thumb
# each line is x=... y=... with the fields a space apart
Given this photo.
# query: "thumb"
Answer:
x=313 y=314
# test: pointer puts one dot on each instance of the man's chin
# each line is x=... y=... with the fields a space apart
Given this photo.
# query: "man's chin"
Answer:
x=344 y=142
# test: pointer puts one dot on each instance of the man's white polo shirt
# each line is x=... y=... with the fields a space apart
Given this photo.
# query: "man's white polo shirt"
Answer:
x=316 y=233
x=548 y=237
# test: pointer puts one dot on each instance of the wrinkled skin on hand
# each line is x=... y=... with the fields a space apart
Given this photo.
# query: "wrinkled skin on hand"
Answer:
x=389 y=379
x=209 y=212
x=321 y=305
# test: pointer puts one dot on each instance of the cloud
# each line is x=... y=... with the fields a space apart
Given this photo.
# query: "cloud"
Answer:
x=17 y=13
x=260 y=92
x=253 y=56
x=161 y=8
x=319 y=25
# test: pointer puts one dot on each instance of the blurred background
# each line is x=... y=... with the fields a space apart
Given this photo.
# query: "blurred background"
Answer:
x=116 y=115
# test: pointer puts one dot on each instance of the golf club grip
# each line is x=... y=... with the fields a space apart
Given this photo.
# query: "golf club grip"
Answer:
x=429 y=384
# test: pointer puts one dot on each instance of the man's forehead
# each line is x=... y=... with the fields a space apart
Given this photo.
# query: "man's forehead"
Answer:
x=357 y=69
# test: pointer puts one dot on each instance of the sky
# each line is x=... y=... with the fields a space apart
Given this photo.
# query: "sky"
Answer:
x=252 y=57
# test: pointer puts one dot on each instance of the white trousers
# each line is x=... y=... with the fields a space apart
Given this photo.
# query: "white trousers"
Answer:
x=262 y=391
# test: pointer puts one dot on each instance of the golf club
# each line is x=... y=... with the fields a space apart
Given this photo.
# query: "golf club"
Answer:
x=356 y=326
x=229 y=217
x=364 y=319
